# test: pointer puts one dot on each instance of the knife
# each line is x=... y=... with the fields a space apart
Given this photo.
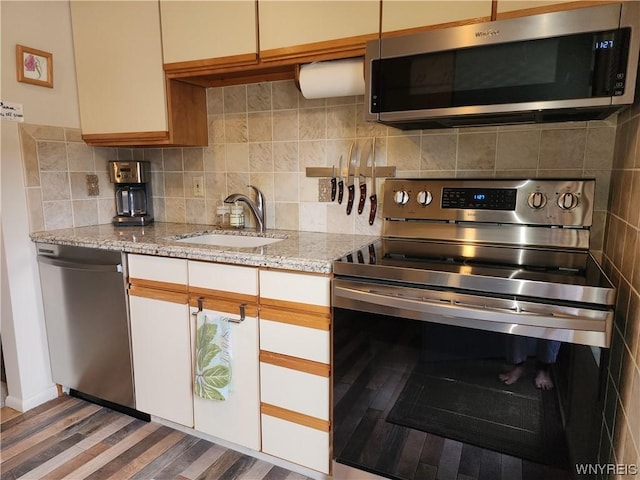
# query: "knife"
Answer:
x=350 y=179
x=333 y=183
x=362 y=179
x=374 y=197
x=340 y=182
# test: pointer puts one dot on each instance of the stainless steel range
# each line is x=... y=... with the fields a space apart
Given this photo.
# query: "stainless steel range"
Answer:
x=475 y=276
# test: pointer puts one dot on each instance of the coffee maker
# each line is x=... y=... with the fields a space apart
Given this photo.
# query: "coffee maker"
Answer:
x=133 y=192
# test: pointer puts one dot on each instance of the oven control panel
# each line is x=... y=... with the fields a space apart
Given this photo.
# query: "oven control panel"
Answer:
x=554 y=202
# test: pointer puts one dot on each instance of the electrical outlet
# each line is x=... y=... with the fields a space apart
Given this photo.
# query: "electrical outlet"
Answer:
x=93 y=188
x=198 y=186
x=324 y=190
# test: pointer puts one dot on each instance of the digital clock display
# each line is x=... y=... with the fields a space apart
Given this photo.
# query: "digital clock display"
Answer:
x=603 y=44
x=479 y=198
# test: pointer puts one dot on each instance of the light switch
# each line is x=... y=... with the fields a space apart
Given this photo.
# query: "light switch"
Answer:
x=198 y=186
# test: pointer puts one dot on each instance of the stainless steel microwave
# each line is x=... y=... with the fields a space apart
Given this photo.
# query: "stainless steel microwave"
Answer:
x=577 y=64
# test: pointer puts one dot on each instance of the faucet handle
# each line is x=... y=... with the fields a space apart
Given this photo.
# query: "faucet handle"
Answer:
x=259 y=195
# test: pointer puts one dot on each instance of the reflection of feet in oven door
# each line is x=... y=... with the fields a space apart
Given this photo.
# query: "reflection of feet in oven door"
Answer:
x=512 y=376
x=543 y=380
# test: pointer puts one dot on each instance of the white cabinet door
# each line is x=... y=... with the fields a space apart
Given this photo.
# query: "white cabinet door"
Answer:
x=118 y=55
x=285 y=23
x=161 y=344
x=236 y=419
x=197 y=30
x=405 y=14
x=514 y=5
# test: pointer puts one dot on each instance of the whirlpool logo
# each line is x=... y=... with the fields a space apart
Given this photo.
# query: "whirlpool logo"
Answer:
x=487 y=33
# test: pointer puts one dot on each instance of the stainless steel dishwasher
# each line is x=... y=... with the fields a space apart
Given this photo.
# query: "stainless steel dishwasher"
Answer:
x=85 y=309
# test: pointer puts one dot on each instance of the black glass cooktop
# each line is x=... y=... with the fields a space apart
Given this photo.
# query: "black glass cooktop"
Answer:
x=564 y=274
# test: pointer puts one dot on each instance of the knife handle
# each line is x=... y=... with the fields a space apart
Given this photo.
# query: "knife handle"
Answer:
x=374 y=208
x=333 y=188
x=352 y=194
x=363 y=197
x=340 y=191
x=372 y=254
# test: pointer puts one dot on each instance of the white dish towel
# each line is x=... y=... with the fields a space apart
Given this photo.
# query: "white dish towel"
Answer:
x=213 y=357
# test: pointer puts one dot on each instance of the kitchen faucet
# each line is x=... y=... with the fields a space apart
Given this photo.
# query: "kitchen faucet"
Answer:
x=256 y=207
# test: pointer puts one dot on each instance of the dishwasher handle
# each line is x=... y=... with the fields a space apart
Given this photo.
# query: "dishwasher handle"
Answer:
x=86 y=267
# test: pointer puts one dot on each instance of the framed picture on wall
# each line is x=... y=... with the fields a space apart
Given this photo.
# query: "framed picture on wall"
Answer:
x=34 y=66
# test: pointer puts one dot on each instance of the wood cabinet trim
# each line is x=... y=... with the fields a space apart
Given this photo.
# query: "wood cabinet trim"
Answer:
x=223 y=295
x=187 y=114
x=295 y=417
x=162 y=295
x=158 y=285
x=126 y=138
x=298 y=318
x=295 y=363
x=342 y=47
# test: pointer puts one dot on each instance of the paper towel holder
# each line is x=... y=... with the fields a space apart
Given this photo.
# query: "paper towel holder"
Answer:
x=350 y=70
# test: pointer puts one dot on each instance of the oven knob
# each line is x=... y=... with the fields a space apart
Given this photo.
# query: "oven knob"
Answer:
x=537 y=200
x=401 y=197
x=568 y=201
x=424 y=198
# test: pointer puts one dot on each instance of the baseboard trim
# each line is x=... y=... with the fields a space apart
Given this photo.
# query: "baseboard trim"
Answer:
x=23 y=405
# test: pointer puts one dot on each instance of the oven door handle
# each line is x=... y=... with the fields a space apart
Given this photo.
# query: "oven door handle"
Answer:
x=470 y=310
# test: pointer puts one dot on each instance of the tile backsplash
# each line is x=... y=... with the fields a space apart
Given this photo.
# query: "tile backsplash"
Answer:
x=620 y=443
x=266 y=134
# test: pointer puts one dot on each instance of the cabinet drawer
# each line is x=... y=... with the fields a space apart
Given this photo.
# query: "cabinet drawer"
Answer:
x=296 y=443
x=295 y=341
x=158 y=269
x=215 y=277
x=295 y=287
x=295 y=390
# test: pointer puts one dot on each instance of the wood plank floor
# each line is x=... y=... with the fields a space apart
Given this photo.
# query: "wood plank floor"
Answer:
x=69 y=438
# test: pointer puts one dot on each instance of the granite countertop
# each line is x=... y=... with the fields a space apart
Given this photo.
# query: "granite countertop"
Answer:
x=301 y=251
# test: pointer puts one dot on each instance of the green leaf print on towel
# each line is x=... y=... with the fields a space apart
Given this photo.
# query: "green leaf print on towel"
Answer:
x=213 y=370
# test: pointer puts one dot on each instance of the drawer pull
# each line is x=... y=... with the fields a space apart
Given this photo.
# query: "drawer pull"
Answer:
x=242 y=308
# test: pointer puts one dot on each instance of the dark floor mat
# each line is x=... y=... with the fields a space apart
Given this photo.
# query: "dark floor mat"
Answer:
x=464 y=401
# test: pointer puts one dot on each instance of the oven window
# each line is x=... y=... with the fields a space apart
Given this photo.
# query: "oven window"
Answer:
x=412 y=397
x=570 y=67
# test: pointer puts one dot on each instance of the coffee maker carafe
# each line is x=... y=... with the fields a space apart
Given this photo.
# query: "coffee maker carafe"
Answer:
x=133 y=193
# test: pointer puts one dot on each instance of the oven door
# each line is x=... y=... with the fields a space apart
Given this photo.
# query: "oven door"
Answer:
x=573 y=324
x=418 y=392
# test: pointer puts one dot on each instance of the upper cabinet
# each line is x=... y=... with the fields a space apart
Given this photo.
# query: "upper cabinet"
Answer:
x=197 y=30
x=123 y=94
x=290 y=28
x=512 y=8
x=407 y=14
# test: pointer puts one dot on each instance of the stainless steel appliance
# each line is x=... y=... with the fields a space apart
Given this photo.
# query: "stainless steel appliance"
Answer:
x=85 y=308
x=426 y=318
x=573 y=65
x=133 y=192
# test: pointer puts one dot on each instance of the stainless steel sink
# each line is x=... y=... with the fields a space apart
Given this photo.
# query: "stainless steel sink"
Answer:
x=229 y=240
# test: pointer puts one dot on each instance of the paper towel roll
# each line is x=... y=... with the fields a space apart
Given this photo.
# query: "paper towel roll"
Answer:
x=334 y=78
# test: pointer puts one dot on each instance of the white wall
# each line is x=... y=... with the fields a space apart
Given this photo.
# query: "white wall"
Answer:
x=44 y=25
